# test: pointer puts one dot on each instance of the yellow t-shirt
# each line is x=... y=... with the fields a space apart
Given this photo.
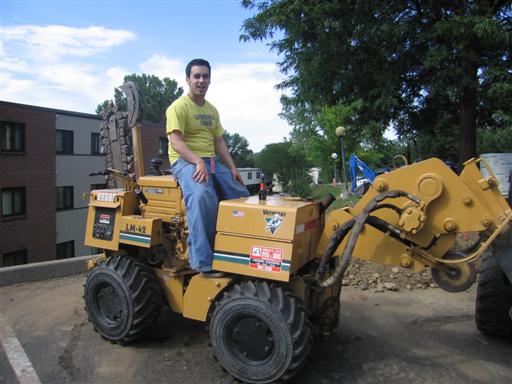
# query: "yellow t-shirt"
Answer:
x=199 y=126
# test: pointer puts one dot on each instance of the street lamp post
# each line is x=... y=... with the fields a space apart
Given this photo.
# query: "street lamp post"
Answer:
x=340 y=132
x=334 y=156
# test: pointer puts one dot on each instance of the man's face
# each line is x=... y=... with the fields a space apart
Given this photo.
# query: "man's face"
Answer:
x=199 y=80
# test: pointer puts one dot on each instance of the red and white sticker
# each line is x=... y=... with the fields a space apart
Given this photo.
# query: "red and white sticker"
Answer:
x=104 y=218
x=306 y=226
x=266 y=259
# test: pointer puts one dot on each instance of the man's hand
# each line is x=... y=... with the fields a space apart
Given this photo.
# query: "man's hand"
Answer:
x=201 y=173
x=236 y=176
x=222 y=149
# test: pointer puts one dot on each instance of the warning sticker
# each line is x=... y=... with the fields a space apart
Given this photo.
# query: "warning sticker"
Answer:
x=306 y=226
x=266 y=259
x=104 y=218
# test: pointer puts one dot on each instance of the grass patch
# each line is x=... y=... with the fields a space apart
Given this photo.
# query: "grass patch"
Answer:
x=321 y=191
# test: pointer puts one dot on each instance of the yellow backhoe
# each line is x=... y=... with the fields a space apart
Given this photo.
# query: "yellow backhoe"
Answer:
x=285 y=258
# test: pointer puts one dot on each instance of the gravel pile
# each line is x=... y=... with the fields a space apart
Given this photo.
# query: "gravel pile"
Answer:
x=379 y=278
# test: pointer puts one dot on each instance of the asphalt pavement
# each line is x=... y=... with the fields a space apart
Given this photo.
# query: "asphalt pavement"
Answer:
x=420 y=336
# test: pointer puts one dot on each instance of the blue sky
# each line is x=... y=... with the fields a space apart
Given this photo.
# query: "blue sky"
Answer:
x=71 y=54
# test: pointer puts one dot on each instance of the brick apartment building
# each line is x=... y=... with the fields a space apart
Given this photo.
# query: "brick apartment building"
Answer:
x=46 y=156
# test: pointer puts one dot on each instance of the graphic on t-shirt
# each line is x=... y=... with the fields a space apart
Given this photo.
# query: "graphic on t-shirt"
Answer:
x=206 y=120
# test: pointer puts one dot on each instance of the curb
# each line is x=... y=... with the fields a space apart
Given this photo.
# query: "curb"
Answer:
x=44 y=270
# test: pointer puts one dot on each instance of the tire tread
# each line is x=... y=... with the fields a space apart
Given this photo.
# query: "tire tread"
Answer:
x=493 y=300
x=144 y=292
x=291 y=310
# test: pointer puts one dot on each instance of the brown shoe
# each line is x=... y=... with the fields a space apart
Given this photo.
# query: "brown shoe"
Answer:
x=213 y=274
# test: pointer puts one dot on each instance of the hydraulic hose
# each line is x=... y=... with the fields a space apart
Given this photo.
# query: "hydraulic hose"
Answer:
x=334 y=242
x=356 y=226
x=389 y=206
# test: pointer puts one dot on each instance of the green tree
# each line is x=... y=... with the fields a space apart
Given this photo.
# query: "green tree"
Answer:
x=156 y=95
x=319 y=141
x=239 y=149
x=425 y=67
x=289 y=163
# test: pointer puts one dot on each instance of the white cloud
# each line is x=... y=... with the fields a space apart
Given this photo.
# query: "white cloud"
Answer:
x=35 y=67
x=248 y=102
x=15 y=64
x=77 y=87
x=11 y=86
x=52 y=42
x=117 y=74
x=163 y=66
x=68 y=77
x=244 y=94
x=55 y=66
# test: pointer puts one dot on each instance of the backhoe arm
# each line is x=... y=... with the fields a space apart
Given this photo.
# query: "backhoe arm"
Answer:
x=412 y=216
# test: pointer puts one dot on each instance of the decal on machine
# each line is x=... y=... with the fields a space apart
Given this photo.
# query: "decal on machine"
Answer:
x=135 y=228
x=306 y=226
x=273 y=223
x=104 y=218
x=128 y=236
x=266 y=259
x=237 y=213
x=268 y=212
x=248 y=260
x=106 y=196
x=136 y=233
x=155 y=191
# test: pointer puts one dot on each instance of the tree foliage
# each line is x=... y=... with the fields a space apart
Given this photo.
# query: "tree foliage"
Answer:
x=289 y=164
x=239 y=149
x=433 y=70
x=156 y=95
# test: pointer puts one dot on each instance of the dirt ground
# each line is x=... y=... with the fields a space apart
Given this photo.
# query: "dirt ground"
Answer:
x=407 y=336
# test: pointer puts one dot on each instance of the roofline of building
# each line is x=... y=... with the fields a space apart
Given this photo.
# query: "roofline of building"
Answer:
x=54 y=110
x=64 y=112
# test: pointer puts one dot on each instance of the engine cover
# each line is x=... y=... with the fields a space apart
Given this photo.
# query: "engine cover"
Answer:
x=269 y=239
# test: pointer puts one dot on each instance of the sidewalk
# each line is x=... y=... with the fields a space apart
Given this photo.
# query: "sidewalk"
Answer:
x=44 y=270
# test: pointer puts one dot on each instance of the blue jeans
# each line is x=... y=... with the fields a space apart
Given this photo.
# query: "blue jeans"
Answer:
x=201 y=201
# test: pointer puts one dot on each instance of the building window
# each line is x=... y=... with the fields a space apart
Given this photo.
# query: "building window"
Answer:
x=249 y=175
x=98 y=186
x=14 y=258
x=63 y=141
x=64 y=198
x=163 y=146
x=12 y=137
x=66 y=250
x=95 y=144
x=258 y=175
x=13 y=201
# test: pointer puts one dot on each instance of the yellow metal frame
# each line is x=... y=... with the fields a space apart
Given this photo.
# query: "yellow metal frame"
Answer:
x=268 y=239
x=139 y=231
x=296 y=231
x=447 y=204
x=123 y=203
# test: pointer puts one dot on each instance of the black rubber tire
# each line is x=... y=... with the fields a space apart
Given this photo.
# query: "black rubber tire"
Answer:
x=123 y=298
x=493 y=309
x=260 y=333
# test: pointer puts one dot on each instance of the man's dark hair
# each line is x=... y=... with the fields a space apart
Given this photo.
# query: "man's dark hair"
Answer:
x=198 y=63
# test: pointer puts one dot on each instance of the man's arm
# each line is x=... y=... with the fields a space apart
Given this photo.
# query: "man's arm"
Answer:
x=179 y=145
x=222 y=149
